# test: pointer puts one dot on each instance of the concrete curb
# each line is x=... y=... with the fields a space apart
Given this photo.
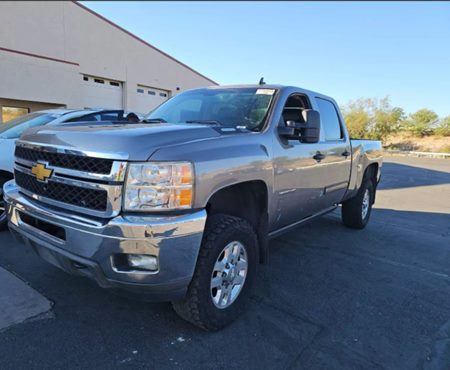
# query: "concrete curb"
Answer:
x=18 y=301
x=417 y=154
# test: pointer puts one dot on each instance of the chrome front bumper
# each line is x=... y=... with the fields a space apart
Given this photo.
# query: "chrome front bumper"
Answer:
x=85 y=246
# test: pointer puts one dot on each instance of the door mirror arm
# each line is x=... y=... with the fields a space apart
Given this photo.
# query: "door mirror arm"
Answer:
x=288 y=133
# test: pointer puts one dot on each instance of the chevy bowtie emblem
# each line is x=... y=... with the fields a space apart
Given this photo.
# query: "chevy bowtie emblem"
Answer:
x=41 y=172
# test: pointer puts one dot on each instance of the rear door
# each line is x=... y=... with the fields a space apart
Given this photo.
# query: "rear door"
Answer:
x=335 y=150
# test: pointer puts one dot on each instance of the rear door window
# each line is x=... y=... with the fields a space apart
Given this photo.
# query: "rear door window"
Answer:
x=331 y=124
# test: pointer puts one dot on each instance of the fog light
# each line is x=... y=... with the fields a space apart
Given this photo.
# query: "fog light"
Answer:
x=142 y=262
x=126 y=263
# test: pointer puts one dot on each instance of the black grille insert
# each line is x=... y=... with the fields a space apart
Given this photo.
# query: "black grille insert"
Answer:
x=73 y=162
x=87 y=198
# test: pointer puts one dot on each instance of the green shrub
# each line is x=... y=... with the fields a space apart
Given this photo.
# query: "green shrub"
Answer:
x=372 y=118
x=443 y=128
x=419 y=123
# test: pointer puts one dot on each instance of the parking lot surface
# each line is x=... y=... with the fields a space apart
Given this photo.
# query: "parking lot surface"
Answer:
x=330 y=298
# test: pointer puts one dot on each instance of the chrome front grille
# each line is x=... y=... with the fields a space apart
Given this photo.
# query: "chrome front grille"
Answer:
x=95 y=199
x=78 y=181
x=70 y=161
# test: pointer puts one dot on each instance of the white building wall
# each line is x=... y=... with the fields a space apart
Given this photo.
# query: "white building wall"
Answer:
x=27 y=78
x=84 y=44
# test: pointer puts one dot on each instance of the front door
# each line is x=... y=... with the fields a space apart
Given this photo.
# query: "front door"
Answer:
x=297 y=185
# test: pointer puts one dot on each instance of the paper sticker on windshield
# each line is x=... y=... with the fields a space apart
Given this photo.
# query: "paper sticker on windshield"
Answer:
x=265 y=91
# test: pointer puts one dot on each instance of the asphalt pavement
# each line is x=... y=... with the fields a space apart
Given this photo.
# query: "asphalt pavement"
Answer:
x=330 y=298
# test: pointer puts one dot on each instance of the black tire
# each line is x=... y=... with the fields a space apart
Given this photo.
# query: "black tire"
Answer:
x=352 y=209
x=3 y=218
x=198 y=307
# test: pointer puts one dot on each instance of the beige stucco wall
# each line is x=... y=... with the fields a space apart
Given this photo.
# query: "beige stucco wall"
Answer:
x=66 y=31
x=27 y=78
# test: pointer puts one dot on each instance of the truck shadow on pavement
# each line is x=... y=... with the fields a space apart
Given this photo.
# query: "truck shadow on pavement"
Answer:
x=411 y=176
x=330 y=297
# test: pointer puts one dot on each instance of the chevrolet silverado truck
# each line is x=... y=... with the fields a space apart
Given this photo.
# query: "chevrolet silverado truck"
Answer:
x=180 y=207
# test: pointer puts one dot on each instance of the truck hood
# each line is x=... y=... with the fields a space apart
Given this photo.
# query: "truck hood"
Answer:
x=135 y=142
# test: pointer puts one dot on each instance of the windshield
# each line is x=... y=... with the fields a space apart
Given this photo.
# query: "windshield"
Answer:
x=229 y=107
x=13 y=129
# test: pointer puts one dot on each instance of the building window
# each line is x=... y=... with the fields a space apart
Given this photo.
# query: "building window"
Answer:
x=85 y=78
x=99 y=81
x=113 y=83
x=140 y=91
x=164 y=95
x=150 y=92
x=10 y=113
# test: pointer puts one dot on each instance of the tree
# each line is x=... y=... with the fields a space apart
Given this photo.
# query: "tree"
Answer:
x=356 y=118
x=386 y=119
x=372 y=118
x=443 y=128
x=419 y=122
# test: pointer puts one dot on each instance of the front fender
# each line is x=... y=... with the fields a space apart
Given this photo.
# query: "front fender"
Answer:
x=224 y=161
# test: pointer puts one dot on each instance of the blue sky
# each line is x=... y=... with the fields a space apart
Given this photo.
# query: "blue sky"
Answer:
x=344 y=49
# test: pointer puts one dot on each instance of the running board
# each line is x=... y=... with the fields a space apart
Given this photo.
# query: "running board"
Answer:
x=287 y=228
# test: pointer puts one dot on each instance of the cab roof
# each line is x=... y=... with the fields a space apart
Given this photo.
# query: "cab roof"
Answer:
x=271 y=86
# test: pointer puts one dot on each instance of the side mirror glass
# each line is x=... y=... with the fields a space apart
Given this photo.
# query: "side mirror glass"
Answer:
x=311 y=132
x=307 y=131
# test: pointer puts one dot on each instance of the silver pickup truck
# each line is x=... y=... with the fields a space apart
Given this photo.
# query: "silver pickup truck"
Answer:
x=180 y=207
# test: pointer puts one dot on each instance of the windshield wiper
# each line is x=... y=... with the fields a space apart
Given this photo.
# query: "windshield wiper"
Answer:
x=205 y=121
x=154 y=120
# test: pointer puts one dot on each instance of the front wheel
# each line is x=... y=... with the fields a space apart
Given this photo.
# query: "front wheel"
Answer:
x=222 y=281
x=356 y=211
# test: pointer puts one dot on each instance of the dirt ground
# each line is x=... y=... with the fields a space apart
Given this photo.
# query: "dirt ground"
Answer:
x=405 y=141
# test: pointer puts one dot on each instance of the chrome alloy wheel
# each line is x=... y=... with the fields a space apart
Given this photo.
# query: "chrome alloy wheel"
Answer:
x=2 y=207
x=229 y=273
x=365 y=204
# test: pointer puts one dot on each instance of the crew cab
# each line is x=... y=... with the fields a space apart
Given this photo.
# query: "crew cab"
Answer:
x=181 y=206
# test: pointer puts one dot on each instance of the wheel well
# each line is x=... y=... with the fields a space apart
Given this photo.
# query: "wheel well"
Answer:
x=371 y=173
x=6 y=175
x=247 y=200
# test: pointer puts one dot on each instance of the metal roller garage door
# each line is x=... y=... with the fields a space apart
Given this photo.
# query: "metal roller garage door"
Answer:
x=148 y=98
x=98 y=92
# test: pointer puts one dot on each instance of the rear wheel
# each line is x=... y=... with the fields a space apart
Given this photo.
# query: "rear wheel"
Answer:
x=3 y=218
x=356 y=211
x=224 y=274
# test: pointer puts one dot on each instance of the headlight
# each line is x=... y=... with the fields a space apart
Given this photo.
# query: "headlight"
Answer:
x=152 y=186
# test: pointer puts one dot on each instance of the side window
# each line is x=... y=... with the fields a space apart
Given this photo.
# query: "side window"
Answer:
x=330 y=120
x=293 y=108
